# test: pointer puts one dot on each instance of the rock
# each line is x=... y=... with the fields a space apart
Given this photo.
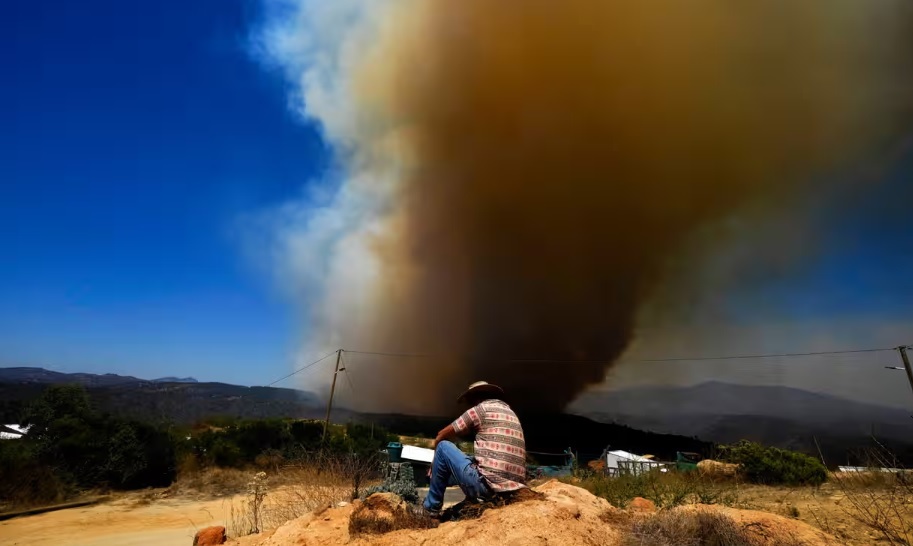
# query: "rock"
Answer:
x=210 y=536
x=716 y=468
x=379 y=513
x=642 y=505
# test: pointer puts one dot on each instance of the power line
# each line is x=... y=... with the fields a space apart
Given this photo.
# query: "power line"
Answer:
x=346 y=370
x=605 y=361
x=575 y=361
x=299 y=370
x=407 y=355
x=776 y=355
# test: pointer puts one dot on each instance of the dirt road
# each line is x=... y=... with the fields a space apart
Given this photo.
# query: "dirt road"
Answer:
x=124 y=522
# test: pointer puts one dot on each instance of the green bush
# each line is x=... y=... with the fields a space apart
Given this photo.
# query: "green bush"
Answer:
x=82 y=449
x=239 y=444
x=24 y=481
x=71 y=447
x=774 y=466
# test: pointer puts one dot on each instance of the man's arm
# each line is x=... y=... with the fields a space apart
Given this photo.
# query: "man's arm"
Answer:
x=446 y=433
x=469 y=421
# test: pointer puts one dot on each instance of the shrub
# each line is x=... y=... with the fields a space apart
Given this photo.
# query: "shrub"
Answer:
x=774 y=466
x=70 y=447
x=664 y=489
x=25 y=482
x=400 y=479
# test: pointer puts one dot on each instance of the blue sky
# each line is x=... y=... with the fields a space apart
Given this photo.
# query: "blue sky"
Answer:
x=134 y=137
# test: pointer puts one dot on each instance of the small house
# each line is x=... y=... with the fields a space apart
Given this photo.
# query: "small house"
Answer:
x=624 y=462
x=12 y=432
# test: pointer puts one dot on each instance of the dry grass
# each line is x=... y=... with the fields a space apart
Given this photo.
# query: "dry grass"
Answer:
x=617 y=517
x=417 y=441
x=306 y=490
x=298 y=489
x=882 y=501
x=210 y=483
x=883 y=504
x=681 y=527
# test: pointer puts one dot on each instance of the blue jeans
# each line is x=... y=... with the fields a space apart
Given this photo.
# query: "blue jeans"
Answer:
x=452 y=464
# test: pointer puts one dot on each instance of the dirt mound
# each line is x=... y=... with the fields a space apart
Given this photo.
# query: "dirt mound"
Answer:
x=563 y=515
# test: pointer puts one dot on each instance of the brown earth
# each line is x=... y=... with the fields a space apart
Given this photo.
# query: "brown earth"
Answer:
x=130 y=520
x=566 y=515
x=149 y=518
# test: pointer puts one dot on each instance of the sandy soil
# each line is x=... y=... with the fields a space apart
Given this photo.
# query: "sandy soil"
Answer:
x=131 y=520
x=825 y=508
x=136 y=519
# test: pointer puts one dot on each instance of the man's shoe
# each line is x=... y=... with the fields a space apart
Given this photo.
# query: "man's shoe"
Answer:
x=421 y=511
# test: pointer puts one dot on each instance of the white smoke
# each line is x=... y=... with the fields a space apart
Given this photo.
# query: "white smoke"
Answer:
x=319 y=245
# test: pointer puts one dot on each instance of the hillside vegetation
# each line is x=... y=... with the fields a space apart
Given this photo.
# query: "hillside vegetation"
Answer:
x=72 y=447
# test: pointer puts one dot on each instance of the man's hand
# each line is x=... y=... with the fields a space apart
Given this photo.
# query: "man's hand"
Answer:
x=446 y=433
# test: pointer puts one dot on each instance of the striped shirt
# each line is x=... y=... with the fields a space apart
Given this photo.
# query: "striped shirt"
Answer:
x=500 y=448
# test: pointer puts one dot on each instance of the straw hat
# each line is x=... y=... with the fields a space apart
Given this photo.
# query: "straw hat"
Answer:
x=481 y=387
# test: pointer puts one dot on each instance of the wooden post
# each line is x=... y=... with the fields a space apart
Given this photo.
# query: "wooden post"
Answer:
x=906 y=363
x=326 y=425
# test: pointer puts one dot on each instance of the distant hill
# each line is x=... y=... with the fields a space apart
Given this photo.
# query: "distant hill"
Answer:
x=40 y=375
x=183 y=401
x=191 y=402
x=779 y=416
x=175 y=380
x=48 y=377
x=696 y=410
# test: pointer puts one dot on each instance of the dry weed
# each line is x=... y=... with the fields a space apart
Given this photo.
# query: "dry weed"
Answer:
x=678 y=527
x=211 y=482
x=882 y=501
x=617 y=517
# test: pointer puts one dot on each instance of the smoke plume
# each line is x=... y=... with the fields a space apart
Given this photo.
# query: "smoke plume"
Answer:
x=519 y=176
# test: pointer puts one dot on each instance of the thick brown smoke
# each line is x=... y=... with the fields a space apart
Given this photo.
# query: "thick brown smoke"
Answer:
x=560 y=153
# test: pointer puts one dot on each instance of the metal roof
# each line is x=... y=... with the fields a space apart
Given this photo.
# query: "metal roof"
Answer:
x=12 y=432
x=621 y=454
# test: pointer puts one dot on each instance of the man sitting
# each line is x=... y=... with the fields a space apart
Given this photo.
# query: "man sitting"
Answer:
x=499 y=463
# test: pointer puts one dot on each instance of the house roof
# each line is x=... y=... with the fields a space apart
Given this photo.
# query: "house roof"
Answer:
x=8 y=433
x=18 y=429
x=621 y=454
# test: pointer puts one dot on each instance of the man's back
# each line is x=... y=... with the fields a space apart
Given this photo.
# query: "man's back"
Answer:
x=500 y=447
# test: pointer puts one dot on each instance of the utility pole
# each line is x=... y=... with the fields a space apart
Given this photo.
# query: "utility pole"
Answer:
x=906 y=363
x=326 y=425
